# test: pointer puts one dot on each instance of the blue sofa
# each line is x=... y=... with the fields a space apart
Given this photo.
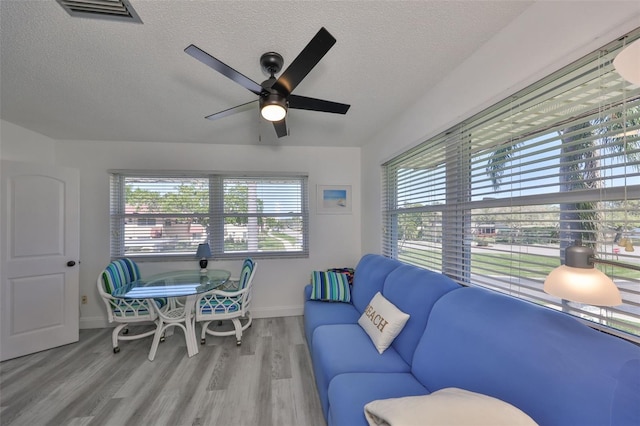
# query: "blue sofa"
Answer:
x=548 y=364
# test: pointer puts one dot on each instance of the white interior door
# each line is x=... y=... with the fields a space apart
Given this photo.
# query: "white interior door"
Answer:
x=39 y=257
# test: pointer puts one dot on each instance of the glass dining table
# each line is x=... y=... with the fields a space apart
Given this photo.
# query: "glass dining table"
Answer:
x=174 y=286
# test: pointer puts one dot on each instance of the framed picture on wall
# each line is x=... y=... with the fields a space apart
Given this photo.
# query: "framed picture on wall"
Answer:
x=333 y=199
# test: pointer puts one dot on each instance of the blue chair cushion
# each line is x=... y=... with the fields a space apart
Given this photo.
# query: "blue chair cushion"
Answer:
x=118 y=273
x=245 y=273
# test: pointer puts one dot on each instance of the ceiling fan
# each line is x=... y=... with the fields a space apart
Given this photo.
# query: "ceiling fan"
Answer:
x=275 y=96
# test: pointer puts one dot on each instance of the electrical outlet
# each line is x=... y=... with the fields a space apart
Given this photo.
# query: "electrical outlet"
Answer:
x=84 y=300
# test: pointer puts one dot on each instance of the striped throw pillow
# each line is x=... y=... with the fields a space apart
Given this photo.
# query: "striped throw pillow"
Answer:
x=330 y=287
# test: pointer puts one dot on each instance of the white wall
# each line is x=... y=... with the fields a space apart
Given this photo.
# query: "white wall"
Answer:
x=546 y=37
x=20 y=144
x=334 y=239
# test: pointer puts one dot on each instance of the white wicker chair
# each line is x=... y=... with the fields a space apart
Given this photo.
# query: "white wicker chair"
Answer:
x=125 y=311
x=231 y=304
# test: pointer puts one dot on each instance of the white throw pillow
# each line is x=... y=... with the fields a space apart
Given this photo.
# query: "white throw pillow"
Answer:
x=382 y=321
x=446 y=407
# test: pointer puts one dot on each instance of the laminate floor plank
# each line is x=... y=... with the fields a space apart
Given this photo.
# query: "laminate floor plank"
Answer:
x=211 y=404
x=78 y=421
x=268 y=380
x=244 y=397
x=90 y=392
x=108 y=415
x=280 y=357
x=308 y=401
x=32 y=404
x=135 y=409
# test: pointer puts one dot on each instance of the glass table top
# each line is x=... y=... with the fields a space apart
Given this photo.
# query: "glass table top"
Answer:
x=173 y=284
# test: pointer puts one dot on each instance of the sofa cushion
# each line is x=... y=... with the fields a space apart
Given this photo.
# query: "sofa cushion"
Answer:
x=625 y=409
x=317 y=313
x=369 y=278
x=382 y=321
x=414 y=291
x=546 y=363
x=348 y=394
x=346 y=348
x=330 y=287
x=373 y=271
x=446 y=407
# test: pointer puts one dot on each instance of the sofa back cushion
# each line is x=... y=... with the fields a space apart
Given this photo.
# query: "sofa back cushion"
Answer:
x=369 y=278
x=548 y=364
x=414 y=291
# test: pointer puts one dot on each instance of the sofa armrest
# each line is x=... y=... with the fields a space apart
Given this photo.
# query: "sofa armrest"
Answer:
x=307 y=292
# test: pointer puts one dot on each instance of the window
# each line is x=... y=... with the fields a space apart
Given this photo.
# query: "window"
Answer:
x=495 y=200
x=165 y=216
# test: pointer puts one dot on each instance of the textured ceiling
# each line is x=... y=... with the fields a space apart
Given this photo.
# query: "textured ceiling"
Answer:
x=88 y=79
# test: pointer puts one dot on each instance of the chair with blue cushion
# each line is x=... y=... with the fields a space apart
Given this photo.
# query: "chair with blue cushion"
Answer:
x=230 y=302
x=125 y=311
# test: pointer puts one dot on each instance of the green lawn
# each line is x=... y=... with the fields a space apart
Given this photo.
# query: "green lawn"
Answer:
x=505 y=264
x=289 y=238
x=265 y=243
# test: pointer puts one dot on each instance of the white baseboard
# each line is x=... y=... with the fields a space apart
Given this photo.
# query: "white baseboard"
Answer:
x=279 y=311
x=94 y=322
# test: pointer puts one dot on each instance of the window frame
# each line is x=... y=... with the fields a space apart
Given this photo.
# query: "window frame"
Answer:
x=441 y=177
x=215 y=214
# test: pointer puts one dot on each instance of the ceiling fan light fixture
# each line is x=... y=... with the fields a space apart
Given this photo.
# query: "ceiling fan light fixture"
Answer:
x=273 y=107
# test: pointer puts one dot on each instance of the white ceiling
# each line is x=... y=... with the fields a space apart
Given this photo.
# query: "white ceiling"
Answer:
x=74 y=78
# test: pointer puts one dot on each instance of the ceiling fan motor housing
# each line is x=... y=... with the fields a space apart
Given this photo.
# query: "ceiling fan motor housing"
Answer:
x=271 y=63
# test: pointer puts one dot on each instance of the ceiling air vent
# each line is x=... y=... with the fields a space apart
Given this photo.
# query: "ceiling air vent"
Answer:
x=115 y=10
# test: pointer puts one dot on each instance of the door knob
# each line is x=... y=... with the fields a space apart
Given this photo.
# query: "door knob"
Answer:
x=71 y=263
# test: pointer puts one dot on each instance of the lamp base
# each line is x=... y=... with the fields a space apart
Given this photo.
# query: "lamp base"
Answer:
x=203 y=265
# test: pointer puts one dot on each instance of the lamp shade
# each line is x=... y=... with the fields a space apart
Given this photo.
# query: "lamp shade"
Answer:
x=589 y=286
x=627 y=63
x=204 y=251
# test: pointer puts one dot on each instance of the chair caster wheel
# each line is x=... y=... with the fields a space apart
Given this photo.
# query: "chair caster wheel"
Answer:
x=116 y=350
x=203 y=341
x=238 y=343
x=162 y=339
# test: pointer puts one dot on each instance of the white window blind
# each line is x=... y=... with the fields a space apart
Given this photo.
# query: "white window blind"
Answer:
x=157 y=215
x=495 y=200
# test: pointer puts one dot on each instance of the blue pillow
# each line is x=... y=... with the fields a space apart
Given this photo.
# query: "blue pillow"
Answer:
x=330 y=287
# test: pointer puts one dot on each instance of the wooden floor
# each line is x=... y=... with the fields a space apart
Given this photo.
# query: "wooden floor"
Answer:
x=266 y=381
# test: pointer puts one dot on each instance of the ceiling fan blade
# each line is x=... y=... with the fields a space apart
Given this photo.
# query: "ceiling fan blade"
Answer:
x=281 y=127
x=313 y=104
x=304 y=62
x=235 y=109
x=223 y=69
